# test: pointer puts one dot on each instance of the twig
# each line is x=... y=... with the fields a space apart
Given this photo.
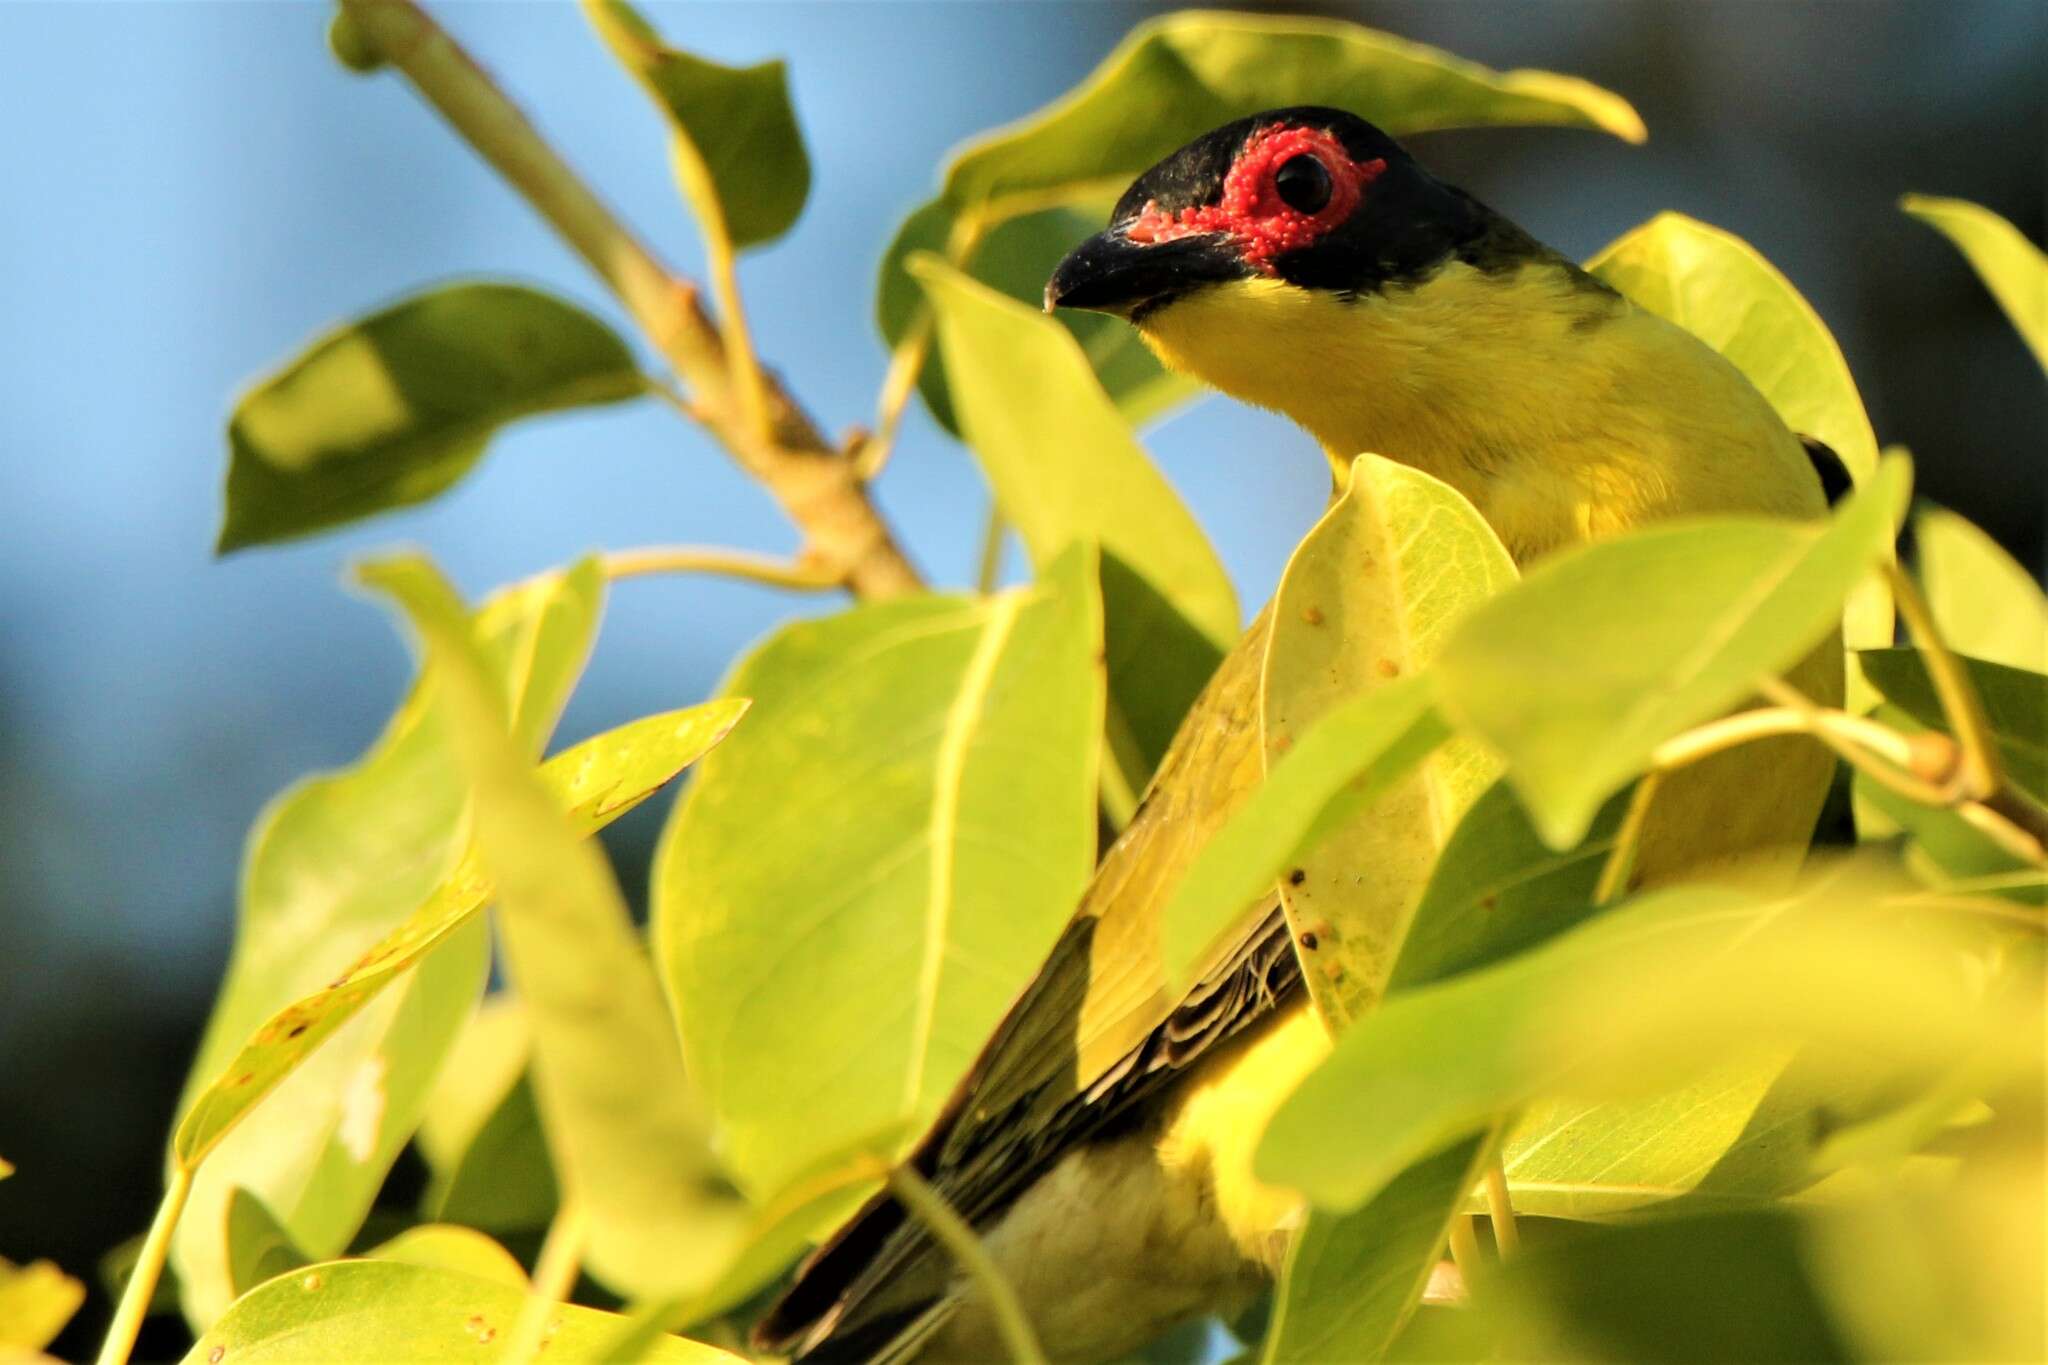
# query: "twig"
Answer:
x=1465 y=1250
x=1500 y=1210
x=149 y=1267
x=803 y=574
x=820 y=490
x=554 y=1279
x=952 y=1231
x=1621 y=859
x=1979 y=777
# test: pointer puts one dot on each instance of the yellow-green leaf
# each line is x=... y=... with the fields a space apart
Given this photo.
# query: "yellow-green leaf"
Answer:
x=621 y=1118
x=1602 y=653
x=880 y=859
x=1723 y=291
x=1986 y=604
x=391 y=409
x=2012 y=268
x=1177 y=77
x=738 y=152
x=481 y=1133
x=1066 y=468
x=445 y=1246
x=349 y=877
x=1368 y=597
x=36 y=1300
x=377 y=1310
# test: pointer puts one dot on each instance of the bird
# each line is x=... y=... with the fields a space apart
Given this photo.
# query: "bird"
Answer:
x=1303 y=261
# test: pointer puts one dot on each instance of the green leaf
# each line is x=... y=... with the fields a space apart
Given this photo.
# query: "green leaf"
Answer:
x=444 y=1246
x=1034 y=189
x=1658 y=992
x=738 y=152
x=389 y=1310
x=1986 y=604
x=1605 y=652
x=2015 y=706
x=1016 y=258
x=1370 y=595
x=1066 y=468
x=481 y=1132
x=334 y=867
x=882 y=859
x=2012 y=268
x=259 y=1247
x=1723 y=291
x=1352 y=1280
x=1178 y=77
x=392 y=409
x=36 y=1300
x=621 y=1118
x=1344 y=762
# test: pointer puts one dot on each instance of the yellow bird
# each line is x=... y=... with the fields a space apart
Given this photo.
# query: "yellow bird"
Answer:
x=1299 y=260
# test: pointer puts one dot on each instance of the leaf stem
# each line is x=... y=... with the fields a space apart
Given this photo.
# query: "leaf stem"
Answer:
x=1621 y=859
x=930 y=1208
x=990 y=565
x=1979 y=777
x=802 y=574
x=816 y=486
x=1465 y=1251
x=1500 y=1210
x=149 y=1267
x=912 y=349
x=554 y=1279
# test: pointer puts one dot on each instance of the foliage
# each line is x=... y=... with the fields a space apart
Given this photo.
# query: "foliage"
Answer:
x=1803 y=1095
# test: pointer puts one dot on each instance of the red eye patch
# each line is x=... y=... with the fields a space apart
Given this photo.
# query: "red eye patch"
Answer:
x=1252 y=212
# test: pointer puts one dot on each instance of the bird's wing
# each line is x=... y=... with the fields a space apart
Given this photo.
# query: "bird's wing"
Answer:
x=1088 y=1041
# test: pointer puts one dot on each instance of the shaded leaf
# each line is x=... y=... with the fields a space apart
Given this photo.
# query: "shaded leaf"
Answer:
x=1370 y=595
x=389 y=1310
x=1338 y=768
x=1065 y=468
x=1986 y=604
x=2012 y=268
x=392 y=409
x=1723 y=291
x=259 y=1247
x=36 y=1300
x=2015 y=704
x=738 y=152
x=1604 y=652
x=1352 y=1280
x=881 y=859
x=481 y=1132
x=620 y=1115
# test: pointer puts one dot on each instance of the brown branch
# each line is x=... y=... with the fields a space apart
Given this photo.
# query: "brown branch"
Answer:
x=818 y=486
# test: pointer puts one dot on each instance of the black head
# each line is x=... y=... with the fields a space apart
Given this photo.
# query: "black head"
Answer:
x=1311 y=196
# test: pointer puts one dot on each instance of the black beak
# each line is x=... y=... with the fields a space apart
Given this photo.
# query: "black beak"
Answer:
x=1109 y=273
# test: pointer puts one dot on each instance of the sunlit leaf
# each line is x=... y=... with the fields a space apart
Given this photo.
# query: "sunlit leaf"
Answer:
x=1604 y=652
x=1723 y=291
x=2012 y=268
x=481 y=1132
x=390 y=410
x=445 y=1246
x=620 y=1115
x=1352 y=1280
x=1016 y=258
x=36 y=1300
x=1369 y=596
x=1986 y=604
x=1065 y=468
x=738 y=152
x=1335 y=770
x=1175 y=78
x=1656 y=993
x=335 y=868
x=390 y=1310
x=881 y=858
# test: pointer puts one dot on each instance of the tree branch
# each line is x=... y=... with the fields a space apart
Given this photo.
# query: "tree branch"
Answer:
x=818 y=487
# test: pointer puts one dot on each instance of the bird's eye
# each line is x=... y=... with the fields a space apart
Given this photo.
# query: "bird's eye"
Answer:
x=1303 y=183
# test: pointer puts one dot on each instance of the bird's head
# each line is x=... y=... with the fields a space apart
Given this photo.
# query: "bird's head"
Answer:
x=1243 y=256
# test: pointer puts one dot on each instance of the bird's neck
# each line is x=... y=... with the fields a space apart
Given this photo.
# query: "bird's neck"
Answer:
x=1561 y=411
